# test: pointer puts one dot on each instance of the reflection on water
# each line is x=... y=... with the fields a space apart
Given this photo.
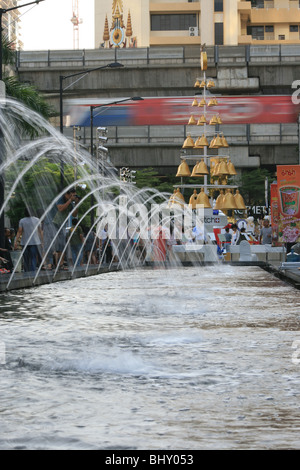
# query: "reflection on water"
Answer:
x=190 y=358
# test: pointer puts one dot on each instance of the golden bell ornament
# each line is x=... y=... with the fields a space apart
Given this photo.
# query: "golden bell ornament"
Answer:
x=224 y=142
x=178 y=198
x=202 y=103
x=194 y=172
x=202 y=84
x=204 y=141
x=223 y=170
x=239 y=201
x=192 y=121
x=198 y=144
x=231 y=168
x=216 y=170
x=203 y=200
x=220 y=201
x=211 y=103
x=202 y=168
x=229 y=201
x=197 y=84
x=210 y=84
x=213 y=121
x=183 y=169
x=195 y=102
x=188 y=143
x=193 y=200
x=219 y=120
x=201 y=121
x=218 y=142
x=212 y=143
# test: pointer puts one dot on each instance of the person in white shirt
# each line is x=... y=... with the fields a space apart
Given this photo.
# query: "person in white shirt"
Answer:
x=31 y=236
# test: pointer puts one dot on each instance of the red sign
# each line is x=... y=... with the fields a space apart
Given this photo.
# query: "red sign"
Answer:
x=288 y=196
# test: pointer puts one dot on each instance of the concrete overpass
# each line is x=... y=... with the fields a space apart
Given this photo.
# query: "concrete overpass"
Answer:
x=171 y=71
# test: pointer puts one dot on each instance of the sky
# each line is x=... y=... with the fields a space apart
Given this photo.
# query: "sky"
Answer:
x=48 y=25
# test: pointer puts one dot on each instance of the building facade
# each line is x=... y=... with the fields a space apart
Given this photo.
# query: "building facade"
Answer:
x=144 y=23
x=11 y=23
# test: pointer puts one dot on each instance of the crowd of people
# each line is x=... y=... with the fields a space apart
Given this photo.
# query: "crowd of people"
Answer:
x=61 y=241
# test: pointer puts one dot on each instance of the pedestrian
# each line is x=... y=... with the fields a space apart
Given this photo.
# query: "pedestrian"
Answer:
x=31 y=236
x=65 y=208
x=106 y=252
x=266 y=233
x=90 y=246
x=235 y=234
x=243 y=236
x=76 y=239
x=228 y=238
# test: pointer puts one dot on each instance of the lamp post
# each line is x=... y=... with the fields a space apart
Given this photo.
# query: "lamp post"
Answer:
x=2 y=12
x=81 y=75
x=92 y=108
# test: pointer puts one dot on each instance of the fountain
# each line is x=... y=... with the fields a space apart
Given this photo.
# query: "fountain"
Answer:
x=33 y=171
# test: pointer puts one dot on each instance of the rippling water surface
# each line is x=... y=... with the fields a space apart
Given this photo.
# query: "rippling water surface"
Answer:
x=190 y=358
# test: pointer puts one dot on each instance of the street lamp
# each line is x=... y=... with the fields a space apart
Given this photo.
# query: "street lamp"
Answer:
x=81 y=75
x=92 y=108
x=77 y=74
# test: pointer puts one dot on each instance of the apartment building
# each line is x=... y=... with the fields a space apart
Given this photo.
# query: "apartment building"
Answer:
x=11 y=23
x=143 y=23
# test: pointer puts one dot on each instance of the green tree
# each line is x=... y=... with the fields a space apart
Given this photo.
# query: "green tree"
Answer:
x=252 y=185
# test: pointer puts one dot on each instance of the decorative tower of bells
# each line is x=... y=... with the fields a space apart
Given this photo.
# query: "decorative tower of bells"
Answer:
x=211 y=165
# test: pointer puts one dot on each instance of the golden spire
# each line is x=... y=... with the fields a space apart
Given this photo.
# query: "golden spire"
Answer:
x=106 y=30
x=129 y=26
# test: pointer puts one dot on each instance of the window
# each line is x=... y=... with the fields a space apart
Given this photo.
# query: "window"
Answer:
x=294 y=28
x=281 y=37
x=173 y=22
x=257 y=32
x=219 y=36
x=269 y=29
x=218 y=5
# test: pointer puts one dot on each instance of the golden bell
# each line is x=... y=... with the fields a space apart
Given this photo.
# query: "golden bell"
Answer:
x=210 y=84
x=215 y=102
x=216 y=169
x=202 y=103
x=223 y=170
x=220 y=201
x=218 y=142
x=203 y=141
x=203 y=199
x=211 y=103
x=239 y=200
x=188 y=143
x=198 y=144
x=194 y=172
x=183 y=169
x=202 y=84
x=229 y=201
x=224 y=142
x=213 y=121
x=193 y=200
x=202 y=168
x=195 y=102
x=192 y=121
x=212 y=143
x=219 y=120
x=201 y=121
x=231 y=169
x=178 y=198
x=197 y=84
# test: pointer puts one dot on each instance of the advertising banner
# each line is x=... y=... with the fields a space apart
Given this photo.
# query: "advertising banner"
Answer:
x=288 y=199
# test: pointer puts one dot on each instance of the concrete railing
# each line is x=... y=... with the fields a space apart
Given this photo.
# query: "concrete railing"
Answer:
x=234 y=55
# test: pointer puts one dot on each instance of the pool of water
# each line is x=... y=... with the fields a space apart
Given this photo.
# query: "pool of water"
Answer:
x=188 y=358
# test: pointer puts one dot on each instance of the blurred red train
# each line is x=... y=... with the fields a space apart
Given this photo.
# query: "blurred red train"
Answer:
x=166 y=111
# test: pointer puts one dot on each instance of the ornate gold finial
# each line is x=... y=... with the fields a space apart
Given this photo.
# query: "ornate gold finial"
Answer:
x=106 y=30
